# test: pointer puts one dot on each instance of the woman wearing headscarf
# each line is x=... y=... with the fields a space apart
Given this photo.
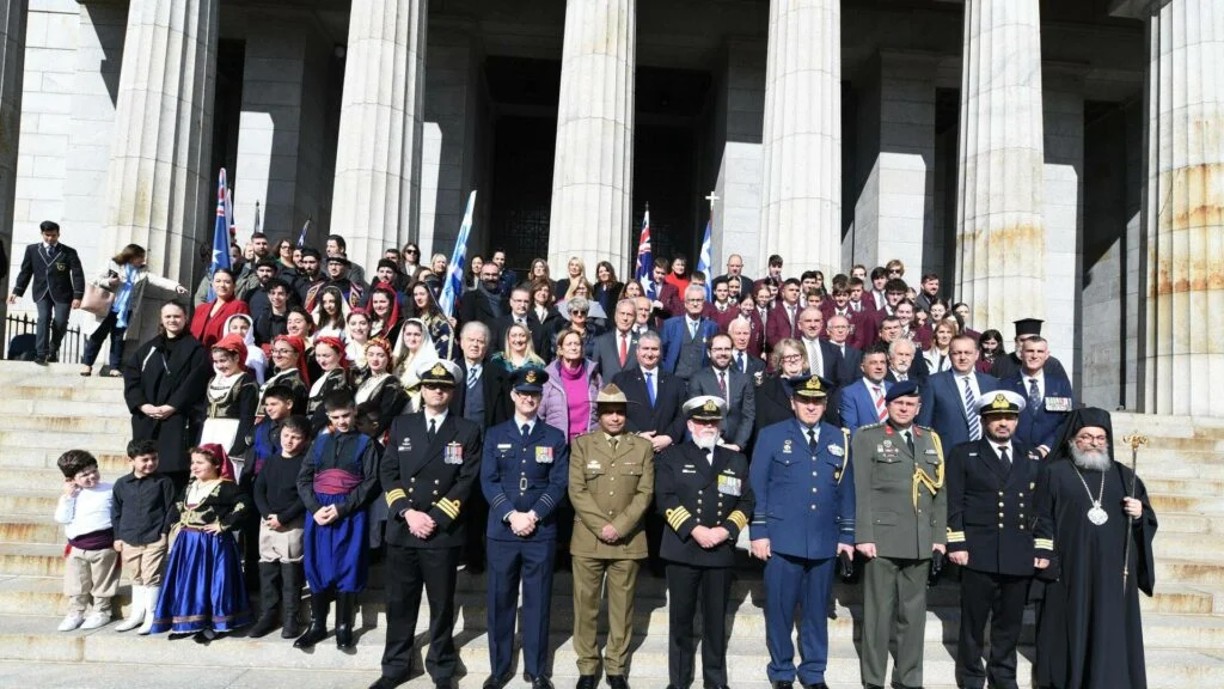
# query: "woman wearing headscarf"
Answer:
x=381 y=388
x=329 y=353
x=288 y=354
x=242 y=325
x=384 y=313
x=414 y=352
x=164 y=384
x=232 y=398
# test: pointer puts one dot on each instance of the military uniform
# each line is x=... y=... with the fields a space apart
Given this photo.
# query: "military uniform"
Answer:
x=990 y=516
x=902 y=509
x=525 y=468
x=803 y=481
x=611 y=481
x=696 y=487
x=435 y=476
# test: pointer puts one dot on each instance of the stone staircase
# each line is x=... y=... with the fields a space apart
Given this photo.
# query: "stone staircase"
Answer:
x=49 y=410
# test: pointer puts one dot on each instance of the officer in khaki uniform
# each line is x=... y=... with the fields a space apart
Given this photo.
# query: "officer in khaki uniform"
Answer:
x=901 y=521
x=611 y=485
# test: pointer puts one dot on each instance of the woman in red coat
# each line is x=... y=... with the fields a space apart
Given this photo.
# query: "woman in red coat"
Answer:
x=208 y=323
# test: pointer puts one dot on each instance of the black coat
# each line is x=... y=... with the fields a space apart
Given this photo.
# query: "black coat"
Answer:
x=178 y=378
x=665 y=417
x=61 y=277
x=690 y=491
x=496 y=388
x=991 y=507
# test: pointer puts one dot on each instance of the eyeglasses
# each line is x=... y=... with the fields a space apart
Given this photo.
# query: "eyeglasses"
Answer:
x=793 y=357
x=1094 y=439
x=578 y=313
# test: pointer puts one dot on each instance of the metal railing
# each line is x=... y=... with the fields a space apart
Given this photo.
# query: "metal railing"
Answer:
x=71 y=348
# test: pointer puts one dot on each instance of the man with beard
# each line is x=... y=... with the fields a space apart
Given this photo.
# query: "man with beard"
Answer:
x=699 y=543
x=1089 y=634
x=306 y=278
x=485 y=303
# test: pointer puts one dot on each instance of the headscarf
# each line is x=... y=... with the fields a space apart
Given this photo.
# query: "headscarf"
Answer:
x=318 y=315
x=335 y=343
x=256 y=360
x=234 y=344
x=1076 y=422
x=299 y=346
x=218 y=452
x=406 y=362
x=393 y=315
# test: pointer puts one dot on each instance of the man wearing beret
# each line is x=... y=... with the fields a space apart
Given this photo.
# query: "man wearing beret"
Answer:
x=702 y=490
x=990 y=535
x=524 y=474
x=900 y=524
x=803 y=482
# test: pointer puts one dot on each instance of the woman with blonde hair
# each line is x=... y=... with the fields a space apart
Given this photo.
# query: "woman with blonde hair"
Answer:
x=788 y=360
x=575 y=269
x=936 y=354
x=381 y=388
x=517 y=351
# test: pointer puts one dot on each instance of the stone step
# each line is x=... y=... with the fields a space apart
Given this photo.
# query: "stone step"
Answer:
x=60 y=424
x=111 y=460
x=56 y=442
x=1189 y=572
x=63 y=392
x=1174 y=502
x=1187 y=486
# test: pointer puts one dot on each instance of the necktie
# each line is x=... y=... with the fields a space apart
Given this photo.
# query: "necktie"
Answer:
x=1003 y=457
x=473 y=376
x=909 y=441
x=614 y=442
x=1034 y=394
x=811 y=434
x=971 y=415
x=520 y=320
x=739 y=362
x=650 y=391
x=624 y=348
x=433 y=430
x=692 y=329
x=525 y=431
x=722 y=384
x=814 y=363
x=881 y=410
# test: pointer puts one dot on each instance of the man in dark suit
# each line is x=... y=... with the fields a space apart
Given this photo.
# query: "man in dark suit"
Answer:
x=429 y=472
x=685 y=337
x=722 y=380
x=838 y=329
x=783 y=319
x=654 y=396
x=735 y=268
x=903 y=362
x=742 y=357
x=59 y=284
x=1049 y=396
x=824 y=359
x=617 y=348
x=521 y=313
x=485 y=303
x=949 y=399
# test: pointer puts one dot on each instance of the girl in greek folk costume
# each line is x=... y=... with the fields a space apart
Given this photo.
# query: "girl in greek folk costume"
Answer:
x=329 y=354
x=288 y=353
x=414 y=352
x=232 y=398
x=381 y=387
x=244 y=326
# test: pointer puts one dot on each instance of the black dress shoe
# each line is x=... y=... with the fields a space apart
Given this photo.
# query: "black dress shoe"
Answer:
x=541 y=683
x=783 y=684
x=497 y=682
x=40 y=360
x=386 y=682
x=618 y=682
x=818 y=685
x=586 y=682
x=443 y=684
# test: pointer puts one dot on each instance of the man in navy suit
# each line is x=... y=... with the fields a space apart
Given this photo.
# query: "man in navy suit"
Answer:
x=654 y=396
x=722 y=380
x=824 y=359
x=838 y=328
x=862 y=402
x=949 y=399
x=1049 y=396
x=685 y=337
x=59 y=284
x=617 y=348
x=742 y=360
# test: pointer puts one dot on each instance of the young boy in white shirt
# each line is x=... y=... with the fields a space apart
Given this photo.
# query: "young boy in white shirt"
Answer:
x=91 y=570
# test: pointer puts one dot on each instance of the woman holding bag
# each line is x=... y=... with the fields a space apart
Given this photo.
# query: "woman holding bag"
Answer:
x=126 y=278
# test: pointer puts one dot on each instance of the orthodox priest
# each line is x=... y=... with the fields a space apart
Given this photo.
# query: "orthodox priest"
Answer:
x=1094 y=554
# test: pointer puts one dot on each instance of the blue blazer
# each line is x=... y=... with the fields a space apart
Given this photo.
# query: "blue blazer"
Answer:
x=856 y=406
x=1040 y=425
x=943 y=406
x=521 y=476
x=804 y=503
x=675 y=331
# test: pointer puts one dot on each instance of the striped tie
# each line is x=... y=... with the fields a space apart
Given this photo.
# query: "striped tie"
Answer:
x=971 y=415
x=881 y=411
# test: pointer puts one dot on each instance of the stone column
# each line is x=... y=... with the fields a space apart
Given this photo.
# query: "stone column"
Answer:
x=737 y=212
x=592 y=176
x=12 y=66
x=802 y=194
x=1000 y=232
x=159 y=177
x=1184 y=209
x=376 y=197
x=1063 y=212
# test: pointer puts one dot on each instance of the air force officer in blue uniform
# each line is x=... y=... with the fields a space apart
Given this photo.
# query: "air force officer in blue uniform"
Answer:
x=524 y=474
x=803 y=482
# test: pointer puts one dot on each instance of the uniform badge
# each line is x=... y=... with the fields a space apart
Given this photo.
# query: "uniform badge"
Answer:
x=60 y=267
x=1058 y=404
x=786 y=447
x=453 y=454
x=504 y=447
x=887 y=442
x=931 y=451
x=405 y=445
x=836 y=450
x=688 y=469
x=593 y=465
x=729 y=485
x=544 y=455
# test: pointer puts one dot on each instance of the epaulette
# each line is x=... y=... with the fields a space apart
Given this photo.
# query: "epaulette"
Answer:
x=878 y=424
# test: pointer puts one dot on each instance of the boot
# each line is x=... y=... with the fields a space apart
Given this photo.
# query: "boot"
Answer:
x=318 y=621
x=346 y=608
x=291 y=599
x=136 y=613
x=269 y=598
x=151 y=594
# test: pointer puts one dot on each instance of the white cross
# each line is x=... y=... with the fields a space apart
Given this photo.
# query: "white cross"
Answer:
x=713 y=197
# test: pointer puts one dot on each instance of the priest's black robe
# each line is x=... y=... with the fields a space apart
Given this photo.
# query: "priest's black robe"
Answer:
x=1089 y=634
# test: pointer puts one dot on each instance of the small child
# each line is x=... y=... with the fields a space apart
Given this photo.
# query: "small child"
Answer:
x=143 y=502
x=91 y=571
x=265 y=436
x=202 y=591
x=280 y=531
x=337 y=480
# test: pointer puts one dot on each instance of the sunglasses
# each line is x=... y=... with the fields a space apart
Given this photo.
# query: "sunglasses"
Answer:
x=411 y=251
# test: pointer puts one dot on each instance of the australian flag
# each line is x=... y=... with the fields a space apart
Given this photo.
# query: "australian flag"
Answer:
x=645 y=259
x=221 y=235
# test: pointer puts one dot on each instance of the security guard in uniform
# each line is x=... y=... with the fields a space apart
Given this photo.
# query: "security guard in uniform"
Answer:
x=524 y=474
x=611 y=485
x=428 y=471
x=803 y=482
x=702 y=490
x=901 y=522
x=990 y=535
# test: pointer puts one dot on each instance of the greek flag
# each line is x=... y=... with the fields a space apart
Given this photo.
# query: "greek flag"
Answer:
x=704 y=262
x=453 y=286
x=301 y=242
x=221 y=235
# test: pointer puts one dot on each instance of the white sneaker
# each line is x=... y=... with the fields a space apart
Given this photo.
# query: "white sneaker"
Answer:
x=96 y=620
x=71 y=622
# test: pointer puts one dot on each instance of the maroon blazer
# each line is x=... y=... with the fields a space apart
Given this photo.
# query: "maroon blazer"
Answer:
x=779 y=327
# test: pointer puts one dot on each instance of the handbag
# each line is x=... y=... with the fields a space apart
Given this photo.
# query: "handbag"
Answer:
x=97 y=300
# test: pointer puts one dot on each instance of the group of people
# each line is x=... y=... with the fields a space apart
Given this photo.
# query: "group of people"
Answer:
x=300 y=425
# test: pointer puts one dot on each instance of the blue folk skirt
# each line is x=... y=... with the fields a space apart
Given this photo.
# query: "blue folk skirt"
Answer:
x=203 y=587
x=336 y=553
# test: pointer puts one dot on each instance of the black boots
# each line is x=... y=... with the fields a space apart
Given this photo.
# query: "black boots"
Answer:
x=291 y=598
x=346 y=610
x=318 y=621
x=269 y=599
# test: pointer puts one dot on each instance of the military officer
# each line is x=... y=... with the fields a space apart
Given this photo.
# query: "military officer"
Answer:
x=990 y=535
x=524 y=474
x=901 y=520
x=611 y=485
x=702 y=490
x=428 y=471
x=804 y=486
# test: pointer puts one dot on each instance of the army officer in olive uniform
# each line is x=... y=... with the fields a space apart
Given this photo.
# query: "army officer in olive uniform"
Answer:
x=901 y=520
x=702 y=490
x=611 y=485
x=803 y=482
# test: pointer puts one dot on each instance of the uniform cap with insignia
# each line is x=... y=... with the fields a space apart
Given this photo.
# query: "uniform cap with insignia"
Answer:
x=1000 y=402
x=905 y=388
x=530 y=379
x=811 y=386
x=440 y=373
x=704 y=408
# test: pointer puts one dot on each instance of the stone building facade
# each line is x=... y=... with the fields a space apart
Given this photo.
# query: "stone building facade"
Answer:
x=1061 y=159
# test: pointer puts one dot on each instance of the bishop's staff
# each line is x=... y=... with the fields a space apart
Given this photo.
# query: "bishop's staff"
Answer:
x=1135 y=440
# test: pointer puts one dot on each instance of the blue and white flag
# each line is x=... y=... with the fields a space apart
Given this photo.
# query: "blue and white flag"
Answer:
x=221 y=235
x=704 y=262
x=302 y=237
x=453 y=286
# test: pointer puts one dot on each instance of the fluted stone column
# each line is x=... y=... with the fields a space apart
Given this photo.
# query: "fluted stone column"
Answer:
x=592 y=176
x=801 y=194
x=376 y=196
x=1000 y=232
x=1184 y=209
x=159 y=178
x=12 y=63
